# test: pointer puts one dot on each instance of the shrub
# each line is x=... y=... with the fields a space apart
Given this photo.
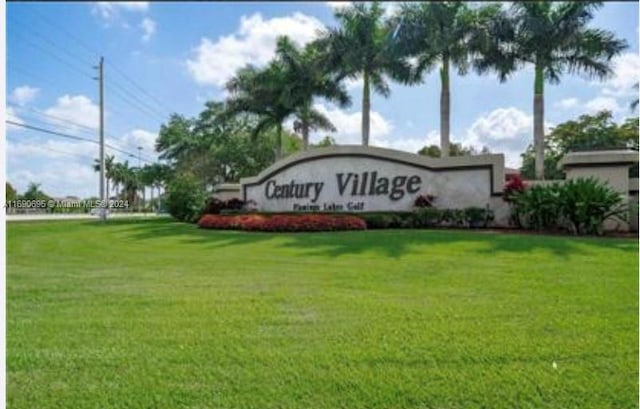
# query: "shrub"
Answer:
x=428 y=217
x=217 y=206
x=478 y=216
x=580 y=206
x=585 y=203
x=538 y=206
x=453 y=217
x=514 y=186
x=282 y=222
x=424 y=201
x=387 y=220
x=185 y=198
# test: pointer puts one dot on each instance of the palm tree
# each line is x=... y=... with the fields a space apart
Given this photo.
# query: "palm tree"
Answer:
x=261 y=92
x=108 y=165
x=128 y=178
x=157 y=175
x=555 y=39
x=309 y=78
x=118 y=175
x=362 y=46
x=440 y=34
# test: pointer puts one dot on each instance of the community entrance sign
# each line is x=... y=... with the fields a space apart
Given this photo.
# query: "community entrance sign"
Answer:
x=359 y=178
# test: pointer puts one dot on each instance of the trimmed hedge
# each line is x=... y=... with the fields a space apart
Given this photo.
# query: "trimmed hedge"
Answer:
x=471 y=217
x=282 y=223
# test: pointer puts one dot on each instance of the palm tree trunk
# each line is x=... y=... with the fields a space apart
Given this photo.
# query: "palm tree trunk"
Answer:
x=538 y=122
x=305 y=135
x=445 y=107
x=108 y=202
x=279 y=151
x=151 y=201
x=366 y=106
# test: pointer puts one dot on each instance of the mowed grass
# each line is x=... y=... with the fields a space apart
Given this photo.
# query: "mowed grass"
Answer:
x=157 y=314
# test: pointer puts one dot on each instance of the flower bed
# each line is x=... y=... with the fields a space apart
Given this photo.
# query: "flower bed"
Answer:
x=282 y=222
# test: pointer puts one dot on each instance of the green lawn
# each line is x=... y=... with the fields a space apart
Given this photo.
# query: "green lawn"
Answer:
x=155 y=314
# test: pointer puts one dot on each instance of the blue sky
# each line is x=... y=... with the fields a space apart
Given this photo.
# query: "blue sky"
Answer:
x=181 y=54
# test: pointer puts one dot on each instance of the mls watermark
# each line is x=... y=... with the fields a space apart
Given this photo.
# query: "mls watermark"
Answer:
x=66 y=204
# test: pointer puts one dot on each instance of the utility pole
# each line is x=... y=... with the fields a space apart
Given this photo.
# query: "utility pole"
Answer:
x=140 y=177
x=103 y=210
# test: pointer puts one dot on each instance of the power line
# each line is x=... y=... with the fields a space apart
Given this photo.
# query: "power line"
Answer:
x=64 y=31
x=57 y=118
x=139 y=107
x=79 y=138
x=47 y=40
x=138 y=87
x=78 y=125
x=22 y=71
x=93 y=53
x=55 y=56
x=64 y=135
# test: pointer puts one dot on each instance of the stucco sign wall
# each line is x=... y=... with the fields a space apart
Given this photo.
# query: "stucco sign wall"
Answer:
x=357 y=178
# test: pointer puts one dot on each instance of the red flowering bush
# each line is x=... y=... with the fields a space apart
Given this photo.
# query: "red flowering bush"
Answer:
x=282 y=222
x=512 y=188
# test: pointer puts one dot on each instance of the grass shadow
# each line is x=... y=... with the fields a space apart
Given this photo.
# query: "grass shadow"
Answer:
x=392 y=243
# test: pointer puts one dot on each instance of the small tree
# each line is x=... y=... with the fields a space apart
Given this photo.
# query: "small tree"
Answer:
x=588 y=132
x=185 y=198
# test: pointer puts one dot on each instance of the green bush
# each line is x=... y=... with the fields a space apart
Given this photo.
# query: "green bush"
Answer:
x=478 y=216
x=580 y=206
x=185 y=198
x=387 y=220
x=538 y=206
x=428 y=217
x=453 y=217
x=585 y=203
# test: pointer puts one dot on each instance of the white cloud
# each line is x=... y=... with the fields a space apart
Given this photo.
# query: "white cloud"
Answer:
x=60 y=178
x=66 y=167
x=23 y=95
x=139 y=137
x=626 y=69
x=109 y=9
x=389 y=6
x=12 y=116
x=353 y=83
x=602 y=103
x=77 y=109
x=349 y=125
x=382 y=131
x=148 y=27
x=254 y=42
x=51 y=149
x=568 y=103
x=503 y=130
x=337 y=5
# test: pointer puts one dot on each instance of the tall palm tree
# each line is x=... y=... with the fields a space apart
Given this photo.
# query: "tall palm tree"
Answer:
x=309 y=78
x=261 y=92
x=555 y=39
x=440 y=34
x=108 y=166
x=128 y=178
x=362 y=46
x=157 y=175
